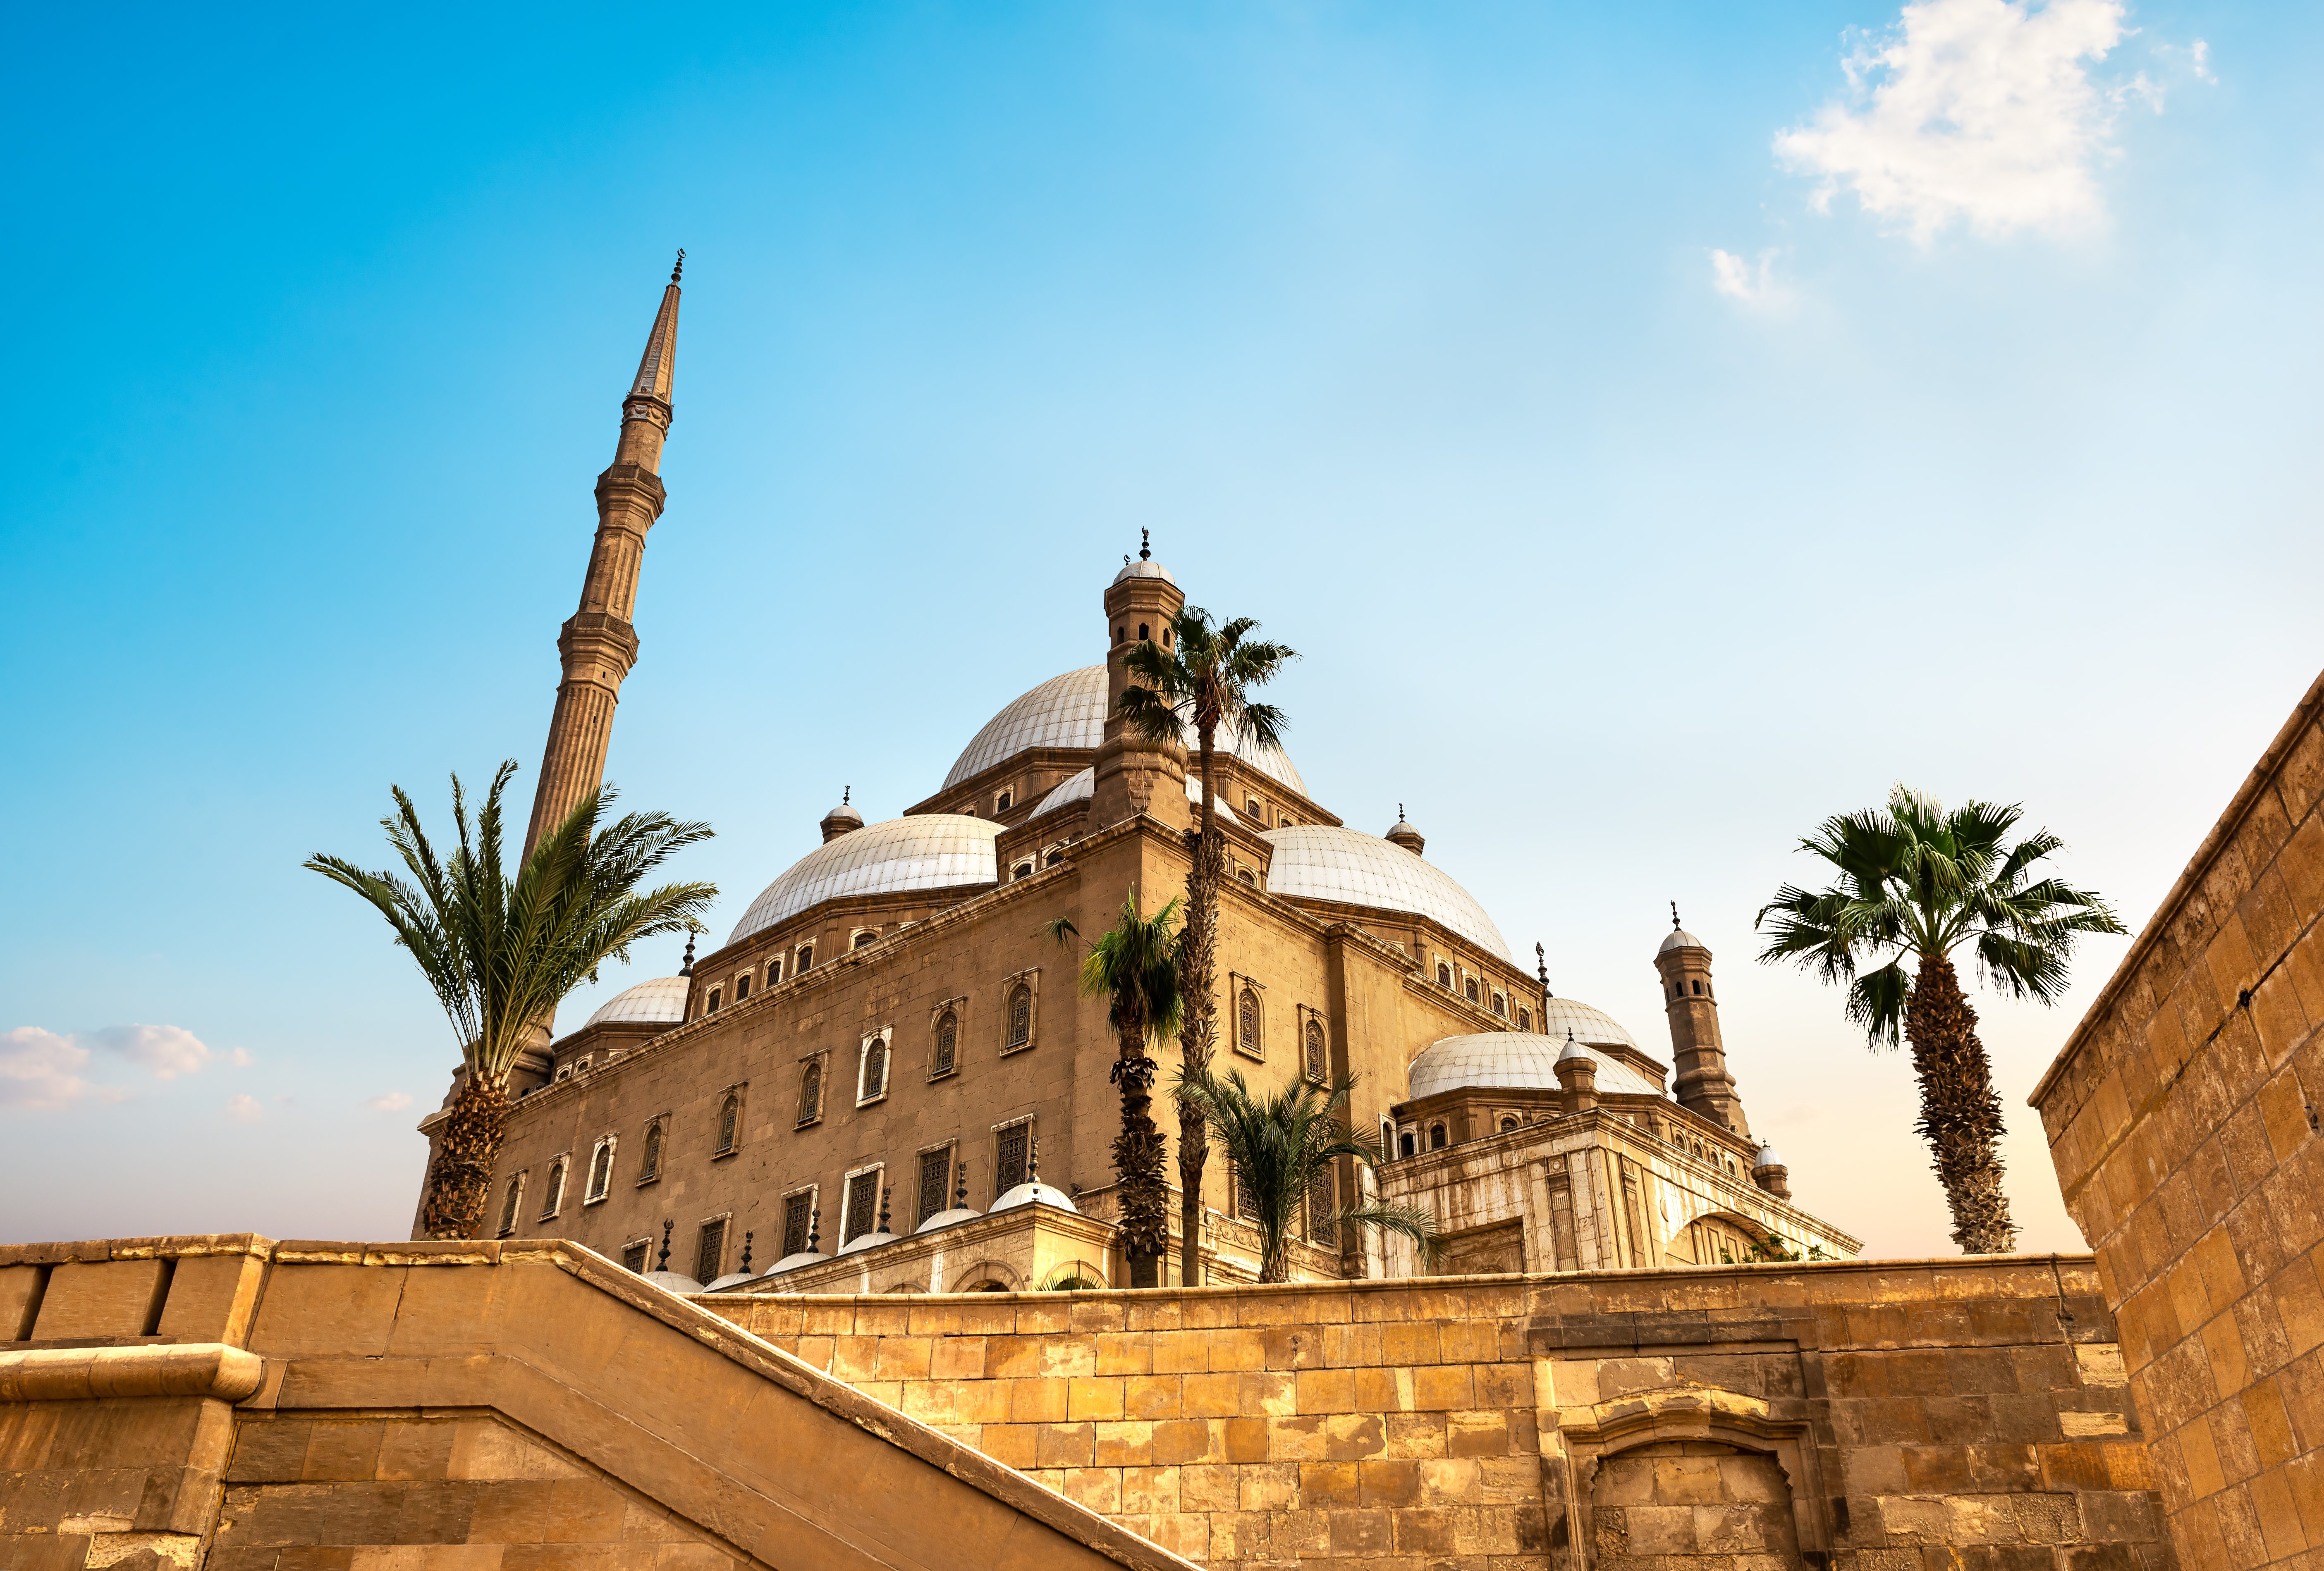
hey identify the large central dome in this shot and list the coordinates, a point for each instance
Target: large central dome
(1069, 712)
(1321, 862)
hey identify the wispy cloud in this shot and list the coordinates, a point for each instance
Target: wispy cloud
(46, 1069)
(1982, 113)
(388, 1102)
(243, 1109)
(1753, 283)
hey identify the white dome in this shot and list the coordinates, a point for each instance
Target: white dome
(659, 1002)
(1081, 787)
(1593, 1027)
(1147, 569)
(731, 1281)
(929, 850)
(1680, 938)
(1769, 1157)
(863, 1241)
(1513, 1060)
(673, 1281)
(1316, 861)
(1030, 1194)
(943, 1220)
(1069, 712)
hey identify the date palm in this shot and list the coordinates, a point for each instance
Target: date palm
(1201, 680)
(1916, 882)
(503, 951)
(1135, 967)
(1281, 1147)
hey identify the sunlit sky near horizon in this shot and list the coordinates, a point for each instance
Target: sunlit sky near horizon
(1659, 426)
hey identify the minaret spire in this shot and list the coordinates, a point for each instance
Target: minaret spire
(598, 646)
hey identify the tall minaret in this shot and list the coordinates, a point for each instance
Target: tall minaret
(598, 645)
(1133, 775)
(1703, 1084)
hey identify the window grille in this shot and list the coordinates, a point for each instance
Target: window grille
(863, 1204)
(1507, 1123)
(795, 1221)
(633, 1256)
(1525, 1018)
(874, 1084)
(947, 1044)
(1009, 1158)
(1500, 1005)
(1319, 1209)
(1436, 1137)
(601, 1169)
(1471, 989)
(811, 1092)
(1020, 1016)
(509, 1205)
(1247, 1023)
(710, 1251)
(867, 938)
(730, 1115)
(555, 1190)
(649, 1164)
(936, 1178)
(1444, 975)
(1246, 1201)
(1318, 1058)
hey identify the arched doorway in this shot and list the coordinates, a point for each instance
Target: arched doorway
(1692, 1505)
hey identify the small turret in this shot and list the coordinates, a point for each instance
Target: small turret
(1404, 834)
(1577, 1073)
(1704, 1084)
(842, 819)
(1133, 775)
(1768, 1171)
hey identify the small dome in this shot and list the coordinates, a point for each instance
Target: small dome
(732, 1281)
(1082, 786)
(862, 1242)
(841, 820)
(1069, 712)
(1028, 1194)
(1318, 861)
(659, 1002)
(942, 1219)
(1680, 938)
(1513, 1060)
(1769, 1157)
(1574, 1053)
(1594, 1027)
(794, 1262)
(929, 850)
(1143, 570)
(1404, 834)
(673, 1281)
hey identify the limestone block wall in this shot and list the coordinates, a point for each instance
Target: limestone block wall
(1875, 1417)
(2183, 1120)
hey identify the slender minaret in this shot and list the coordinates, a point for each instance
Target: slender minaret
(1703, 1084)
(1133, 775)
(598, 646)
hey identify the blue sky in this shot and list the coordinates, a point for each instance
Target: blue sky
(1660, 426)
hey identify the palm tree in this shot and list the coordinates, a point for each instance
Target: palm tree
(501, 953)
(1136, 966)
(1281, 1148)
(1915, 883)
(1201, 680)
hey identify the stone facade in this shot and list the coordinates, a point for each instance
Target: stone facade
(2182, 1120)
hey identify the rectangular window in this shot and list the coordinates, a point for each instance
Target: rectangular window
(634, 1256)
(1010, 1153)
(710, 1251)
(1246, 1203)
(796, 1209)
(1319, 1207)
(863, 1206)
(936, 1183)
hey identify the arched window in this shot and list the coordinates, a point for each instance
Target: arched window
(1697, 989)
(1250, 804)
(601, 1171)
(1001, 803)
(1056, 855)
(1142, 635)
(774, 969)
(1387, 1139)
(509, 1202)
(1470, 987)
(1020, 1016)
(555, 1189)
(1246, 875)
(874, 1083)
(1247, 1023)
(947, 1044)
(1525, 1018)
(1444, 975)
(730, 1117)
(1021, 870)
(1500, 1005)
(865, 939)
(742, 986)
(803, 960)
(811, 1092)
(1316, 1060)
(1508, 1122)
(650, 1160)
(1436, 1137)
(713, 1000)
(1407, 1144)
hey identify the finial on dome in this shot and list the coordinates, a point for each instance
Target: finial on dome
(1146, 544)
(884, 1193)
(687, 970)
(1674, 917)
(663, 1264)
(1033, 1160)
(1541, 959)
(746, 1253)
(813, 1229)
(681, 265)
(960, 1194)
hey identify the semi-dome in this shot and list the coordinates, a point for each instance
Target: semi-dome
(659, 1002)
(1680, 938)
(1318, 861)
(928, 850)
(1514, 1059)
(1081, 787)
(1591, 1025)
(1069, 712)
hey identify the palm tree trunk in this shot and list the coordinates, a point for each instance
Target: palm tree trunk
(1138, 1163)
(1960, 1112)
(1197, 948)
(457, 1180)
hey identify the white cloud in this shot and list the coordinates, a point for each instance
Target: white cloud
(1977, 112)
(243, 1109)
(1755, 285)
(44, 1068)
(390, 1102)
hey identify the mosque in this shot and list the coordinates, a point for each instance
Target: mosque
(885, 1078)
